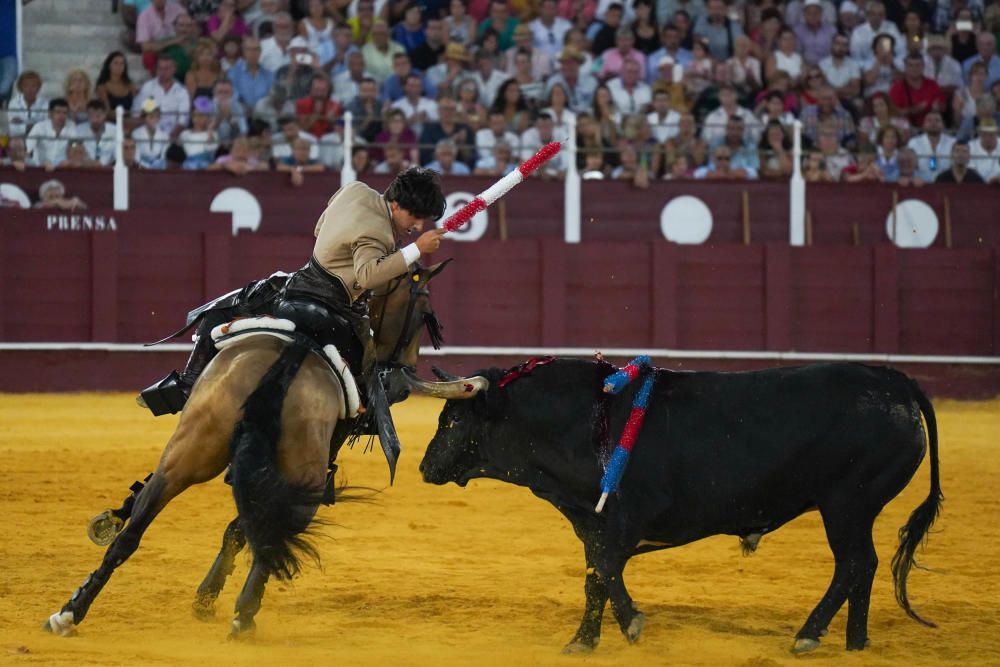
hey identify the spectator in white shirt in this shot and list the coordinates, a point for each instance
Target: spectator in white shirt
(170, 97)
(97, 134)
(985, 152)
(933, 147)
(662, 119)
(347, 84)
(151, 140)
(940, 66)
(548, 31)
(26, 107)
(488, 79)
(274, 49)
(496, 131)
(418, 108)
(714, 127)
(290, 132)
(48, 138)
(861, 38)
(629, 92)
(841, 71)
(544, 132)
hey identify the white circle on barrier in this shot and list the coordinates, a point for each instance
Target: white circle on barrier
(11, 192)
(474, 229)
(243, 206)
(686, 219)
(915, 226)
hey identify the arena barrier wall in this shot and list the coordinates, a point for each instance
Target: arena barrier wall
(611, 210)
(65, 280)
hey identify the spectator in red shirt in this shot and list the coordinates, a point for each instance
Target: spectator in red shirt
(318, 112)
(914, 94)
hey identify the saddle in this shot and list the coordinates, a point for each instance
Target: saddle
(229, 333)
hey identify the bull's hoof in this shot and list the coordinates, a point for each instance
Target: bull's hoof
(635, 628)
(104, 528)
(60, 624)
(804, 645)
(203, 607)
(858, 646)
(578, 646)
(242, 630)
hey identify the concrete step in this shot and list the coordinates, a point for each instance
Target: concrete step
(82, 9)
(60, 35)
(57, 36)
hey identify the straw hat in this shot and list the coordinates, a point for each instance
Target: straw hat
(455, 51)
(571, 53)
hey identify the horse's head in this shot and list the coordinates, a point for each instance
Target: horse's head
(398, 314)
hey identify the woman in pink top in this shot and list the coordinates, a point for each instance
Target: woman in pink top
(226, 22)
(578, 12)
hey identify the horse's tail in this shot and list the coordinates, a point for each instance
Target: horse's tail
(274, 513)
(915, 531)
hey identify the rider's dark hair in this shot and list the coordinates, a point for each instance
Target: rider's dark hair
(418, 190)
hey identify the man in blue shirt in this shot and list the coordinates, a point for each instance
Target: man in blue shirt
(718, 29)
(8, 50)
(445, 162)
(987, 47)
(251, 82)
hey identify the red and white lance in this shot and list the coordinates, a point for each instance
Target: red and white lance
(501, 187)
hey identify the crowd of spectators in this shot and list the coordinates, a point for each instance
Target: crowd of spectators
(902, 91)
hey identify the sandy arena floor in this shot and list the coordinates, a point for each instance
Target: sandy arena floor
(487, 575)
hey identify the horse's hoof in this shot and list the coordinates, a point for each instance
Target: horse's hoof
(104, 528)
(576, 647)
(855, 646)
(804, 645)
(203, 608)
(635, 627)
(60, 624)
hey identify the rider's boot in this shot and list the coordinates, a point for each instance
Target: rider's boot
(169, 395)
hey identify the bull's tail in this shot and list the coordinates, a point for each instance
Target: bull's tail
(273, 512)
(915, 531)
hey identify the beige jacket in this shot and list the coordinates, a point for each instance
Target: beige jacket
(355, 241)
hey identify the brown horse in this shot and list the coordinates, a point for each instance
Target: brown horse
(270, 410)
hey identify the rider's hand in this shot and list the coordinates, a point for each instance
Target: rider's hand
(430, 241)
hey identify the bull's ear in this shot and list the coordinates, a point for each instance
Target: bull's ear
(435, 269)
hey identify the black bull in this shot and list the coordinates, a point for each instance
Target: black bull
(719, 453)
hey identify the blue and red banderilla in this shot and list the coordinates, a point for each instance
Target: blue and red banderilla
(613, 384)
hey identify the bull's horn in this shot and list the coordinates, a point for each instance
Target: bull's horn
(444, 375)
(453, 389)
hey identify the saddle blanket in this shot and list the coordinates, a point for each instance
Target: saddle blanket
(226, 334)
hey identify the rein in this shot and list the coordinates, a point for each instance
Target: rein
(408, 331)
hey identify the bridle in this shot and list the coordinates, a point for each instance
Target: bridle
(430, 321)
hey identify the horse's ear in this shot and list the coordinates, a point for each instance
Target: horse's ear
(435, 269)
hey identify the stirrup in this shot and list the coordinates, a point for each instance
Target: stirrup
(167, 396)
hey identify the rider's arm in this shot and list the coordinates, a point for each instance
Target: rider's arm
(374, 264)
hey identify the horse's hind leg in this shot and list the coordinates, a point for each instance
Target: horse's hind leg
(249, 601)
(233, 541)
(151, 500)
(188, 459)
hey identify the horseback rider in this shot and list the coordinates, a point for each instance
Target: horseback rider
(357, 249)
